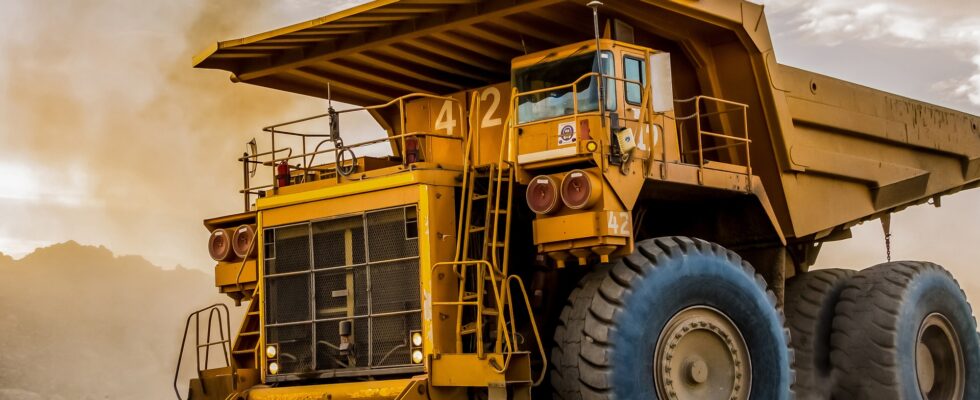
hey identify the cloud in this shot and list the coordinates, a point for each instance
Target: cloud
(105, 125)
(951, 25)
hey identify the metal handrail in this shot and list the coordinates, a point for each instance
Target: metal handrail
(498, 299)
(574, 87)
(534, 325)
(697, 116)
(224, 342)
(270, 158)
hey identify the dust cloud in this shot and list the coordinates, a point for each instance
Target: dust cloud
(81, 323)
(108, 136)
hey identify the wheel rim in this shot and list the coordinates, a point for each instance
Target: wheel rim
(939, 360)
(701, 354)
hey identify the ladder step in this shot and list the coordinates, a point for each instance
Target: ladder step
(253, 313)
(237, 352)
(469, 296)
(478, 229)
(490, 312)
(495, 244)
(480, 197)
(252, 333)
(468, 329)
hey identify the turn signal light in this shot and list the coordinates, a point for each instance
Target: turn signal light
(542, 195)
(243, 241)
(580, 189)
(219, 245)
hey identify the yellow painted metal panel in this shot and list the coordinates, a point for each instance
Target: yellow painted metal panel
(382, 198)
(435, 177)
(368, 390)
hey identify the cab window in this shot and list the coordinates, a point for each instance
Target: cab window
(633, 70)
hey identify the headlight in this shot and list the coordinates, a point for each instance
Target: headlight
(417, 339)
(242, 242)
(542, 195)
(271, 352)
(417, 356)
(580, 189)
(219, 245)
(273, 368)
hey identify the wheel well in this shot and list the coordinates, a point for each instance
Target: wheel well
(739, 222)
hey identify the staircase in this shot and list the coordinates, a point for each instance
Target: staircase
(486, 338)
(486, 231)
(246, 352)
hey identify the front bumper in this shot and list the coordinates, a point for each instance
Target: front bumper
(402, 389)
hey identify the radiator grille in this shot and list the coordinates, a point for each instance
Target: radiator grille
(360, 268)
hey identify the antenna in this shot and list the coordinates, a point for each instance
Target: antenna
(598, 59)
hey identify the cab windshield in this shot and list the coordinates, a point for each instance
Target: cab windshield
(559, 102)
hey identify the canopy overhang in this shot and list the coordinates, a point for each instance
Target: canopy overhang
(383, 49)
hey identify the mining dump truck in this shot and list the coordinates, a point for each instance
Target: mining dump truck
(575, 201)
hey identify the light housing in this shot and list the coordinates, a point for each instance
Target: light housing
(542, 195)
(417, 356)
(273, 368)
(219, 245)
(271, 351)
(416, 338)
(242, 241)
(580, 189)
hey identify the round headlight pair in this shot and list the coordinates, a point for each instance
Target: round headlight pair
(578, 190)
(227, 244)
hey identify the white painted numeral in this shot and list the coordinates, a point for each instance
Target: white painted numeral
(619, 223)
(488, 119)
(445, 119)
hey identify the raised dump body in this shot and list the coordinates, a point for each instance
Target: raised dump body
(869, 150)
(623, 161)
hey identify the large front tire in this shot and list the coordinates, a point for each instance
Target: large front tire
(679, 319)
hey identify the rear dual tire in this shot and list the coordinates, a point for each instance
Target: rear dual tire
(905, 331)
(680, 318)
(811, 298)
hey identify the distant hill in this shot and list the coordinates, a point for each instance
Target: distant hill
(78, 322)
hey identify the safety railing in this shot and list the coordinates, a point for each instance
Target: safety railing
(344, 161)
(224, 340)
(501, 296)
(724, 109)
(576, 113)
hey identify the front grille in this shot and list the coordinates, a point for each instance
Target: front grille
(361, 268)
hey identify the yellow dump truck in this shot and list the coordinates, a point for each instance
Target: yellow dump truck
(575, 201)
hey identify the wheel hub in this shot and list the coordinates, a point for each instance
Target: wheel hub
(939, 360)
(701, 354)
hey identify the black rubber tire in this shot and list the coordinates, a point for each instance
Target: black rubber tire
(876, 328)
(811, 298)
(607, 335)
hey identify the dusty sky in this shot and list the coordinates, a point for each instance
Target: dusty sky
(108, 137)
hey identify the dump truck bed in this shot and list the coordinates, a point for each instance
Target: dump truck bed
(858, 152)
